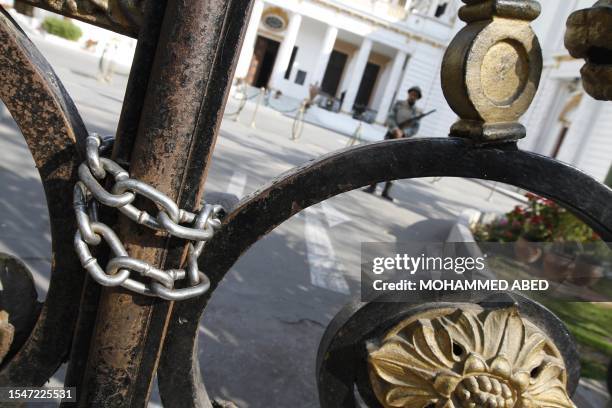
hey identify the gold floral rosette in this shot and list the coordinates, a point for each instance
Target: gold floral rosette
(468, 357)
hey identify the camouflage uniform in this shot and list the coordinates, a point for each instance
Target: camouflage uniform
(401, 112)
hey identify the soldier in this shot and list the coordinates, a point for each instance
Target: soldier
(403, 121)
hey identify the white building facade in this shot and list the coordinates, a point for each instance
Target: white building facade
(365, 54)
(564, 121)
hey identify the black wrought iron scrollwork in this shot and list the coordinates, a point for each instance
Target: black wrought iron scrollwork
(490, 76)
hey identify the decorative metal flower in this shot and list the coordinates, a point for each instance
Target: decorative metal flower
(468, 358)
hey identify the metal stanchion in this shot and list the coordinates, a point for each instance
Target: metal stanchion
(262, 93)
(298, 123)
(493, 190)
(243, 95)
(243, 102)
(267, 97)
(357, 136)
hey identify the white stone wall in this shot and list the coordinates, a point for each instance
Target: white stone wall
(585, 145)
(596, 156)
(538, 118)
(308, 42)
(588, 142)
(383, 78)
(588, 145)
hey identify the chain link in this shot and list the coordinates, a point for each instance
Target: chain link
(88, 192)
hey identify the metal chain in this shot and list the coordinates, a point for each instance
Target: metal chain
(89, 192)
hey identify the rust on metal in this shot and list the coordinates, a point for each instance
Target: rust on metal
(227, 21)
(589, 37)
(19, 300)
(178, 126)
(50, 125)
(121, 16)
(126, 133)
(138, 81)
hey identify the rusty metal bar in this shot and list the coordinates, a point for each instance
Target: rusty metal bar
(126, 133)
(138, 82)
(50, 125)
(228, 37)
(178, 126)
(121, 16)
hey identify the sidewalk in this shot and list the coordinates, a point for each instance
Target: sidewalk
(340, 123)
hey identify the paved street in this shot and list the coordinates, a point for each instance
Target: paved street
(259, 337)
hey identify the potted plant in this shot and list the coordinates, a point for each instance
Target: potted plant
(538, 220)
(591, 263)
(526, 250)
(580, 243)
(501, 230)
(543, 231)
(557, 262)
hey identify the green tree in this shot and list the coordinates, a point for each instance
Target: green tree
(62, 28)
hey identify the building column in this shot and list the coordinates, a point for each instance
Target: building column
(328, 46)
(357, 75)
(433, 7)
(391, 87)
(285, 50)
(248, 45)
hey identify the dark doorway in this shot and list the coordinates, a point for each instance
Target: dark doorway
(263, 61)
(441, 9)
(291, 62)
(333, 73)
(366, 87)
(559, 144)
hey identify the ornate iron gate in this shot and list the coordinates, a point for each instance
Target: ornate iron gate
(115, 340)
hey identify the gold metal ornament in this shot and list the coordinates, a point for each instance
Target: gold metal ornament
(491, 69)
(468, 357)
(275, 19)
(589, 36)
(7, 334)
